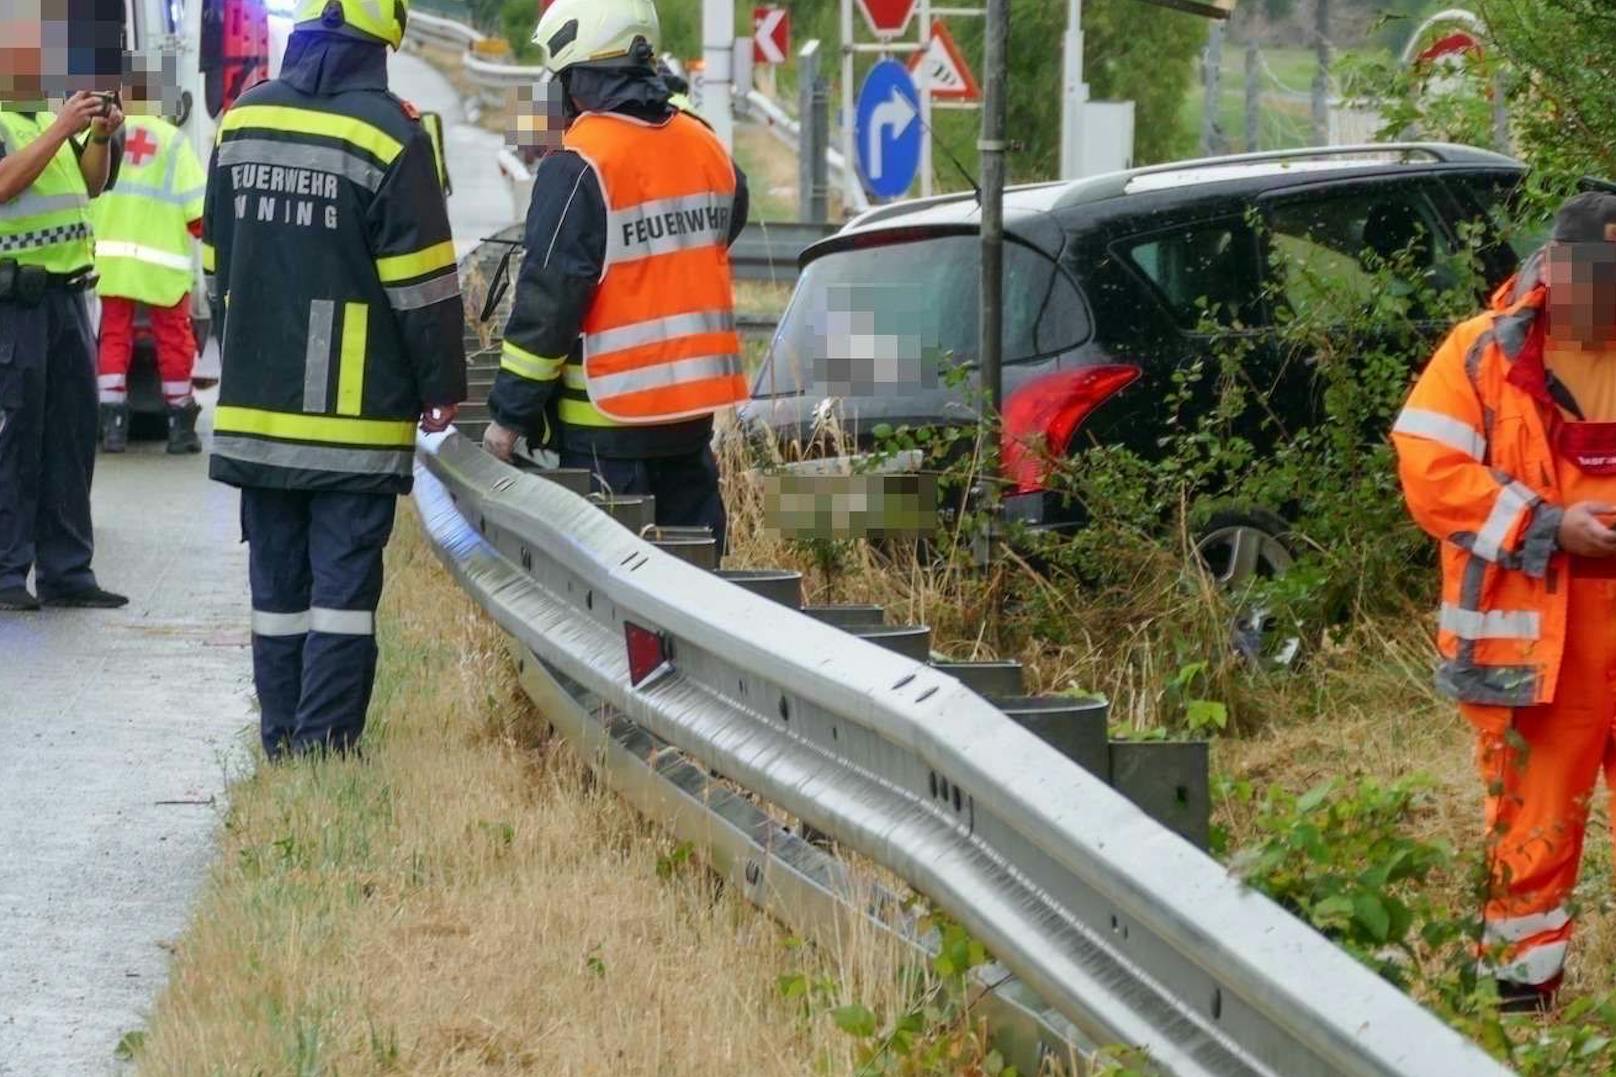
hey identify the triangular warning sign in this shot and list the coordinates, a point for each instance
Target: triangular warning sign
(951, 78)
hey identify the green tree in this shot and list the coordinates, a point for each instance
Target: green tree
(1563, 89)
(1132, 51)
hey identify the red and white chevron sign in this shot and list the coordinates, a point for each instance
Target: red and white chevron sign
(771, 35)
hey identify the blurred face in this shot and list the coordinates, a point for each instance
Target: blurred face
(1582, 293)
(537, 120)
(22, 57)
(46, 55)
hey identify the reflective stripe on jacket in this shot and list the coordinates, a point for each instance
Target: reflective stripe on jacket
(142, 241)
(659, 340)
(1478, 473)
(48, 225)
(327, 237)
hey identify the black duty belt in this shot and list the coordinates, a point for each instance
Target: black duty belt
(28, 285)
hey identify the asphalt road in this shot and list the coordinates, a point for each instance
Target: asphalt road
(119, 730)
(117, 733)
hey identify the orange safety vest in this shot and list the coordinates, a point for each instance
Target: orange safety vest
(1478, 471)
(659, 341)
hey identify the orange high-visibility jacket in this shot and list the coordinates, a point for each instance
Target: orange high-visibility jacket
(1478, 473)
(659, 341)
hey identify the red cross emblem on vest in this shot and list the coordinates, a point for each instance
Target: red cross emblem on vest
(140, 147)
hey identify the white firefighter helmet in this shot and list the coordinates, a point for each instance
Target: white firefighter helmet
(573, 32)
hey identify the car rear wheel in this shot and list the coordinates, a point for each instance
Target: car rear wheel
(1240, 548)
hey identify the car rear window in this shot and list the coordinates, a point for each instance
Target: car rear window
(865, 320)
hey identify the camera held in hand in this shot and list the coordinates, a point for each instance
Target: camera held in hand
(109, 101)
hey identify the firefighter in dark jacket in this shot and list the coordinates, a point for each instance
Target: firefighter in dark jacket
(327, 242)
(621, 342)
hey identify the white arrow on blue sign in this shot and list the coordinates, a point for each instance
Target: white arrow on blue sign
(887, 131)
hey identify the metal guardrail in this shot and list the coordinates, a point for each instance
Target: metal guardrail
(440, 30)
(786, 130)
(493, 78)
(1117, 924)
(768, 250)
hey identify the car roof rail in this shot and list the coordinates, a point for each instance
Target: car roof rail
(1113, 184)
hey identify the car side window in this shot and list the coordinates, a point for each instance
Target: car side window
(1201, 270)
(1327, 251)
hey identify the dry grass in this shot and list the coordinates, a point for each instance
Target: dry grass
(1362, 706)
(468, 900)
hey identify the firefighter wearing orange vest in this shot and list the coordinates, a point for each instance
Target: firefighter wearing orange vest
(621, 341)
(1507, 451)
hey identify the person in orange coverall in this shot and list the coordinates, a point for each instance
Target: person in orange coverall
(1507, 453)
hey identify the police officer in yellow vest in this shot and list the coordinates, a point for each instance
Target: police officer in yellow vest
(48, 175)
(622, 338)
(144, 232)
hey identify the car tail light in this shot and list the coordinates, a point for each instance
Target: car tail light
(647, 653)
(1041, 416)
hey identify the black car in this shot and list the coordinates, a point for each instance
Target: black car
(1109, 286)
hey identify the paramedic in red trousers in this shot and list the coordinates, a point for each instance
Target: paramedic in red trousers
(621, 341)
(1507, 449)
(144, 230)
(328, 240)
(51, 166)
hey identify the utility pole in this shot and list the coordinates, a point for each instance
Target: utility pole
(1074, 93)
(717, 54)
(992, 147)
(1321, 77)
(1253, 95)
(1212, 91)
(814, 133)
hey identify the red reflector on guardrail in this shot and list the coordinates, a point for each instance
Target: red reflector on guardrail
(647, 652)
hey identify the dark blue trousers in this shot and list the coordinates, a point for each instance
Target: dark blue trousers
(47, 444)
(685, 487)
(315, 559)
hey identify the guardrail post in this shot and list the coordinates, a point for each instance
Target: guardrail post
(813, 136)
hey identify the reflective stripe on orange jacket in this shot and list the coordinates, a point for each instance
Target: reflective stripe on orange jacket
(659, 340)
(1478, 473)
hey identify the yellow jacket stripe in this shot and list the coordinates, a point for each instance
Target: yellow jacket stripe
(337, 429)
(525, 364)
(394, 268)
(304, 121)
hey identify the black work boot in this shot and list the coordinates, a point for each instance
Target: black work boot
(91, 598)
(17, 600)
(182, 428)
(114, 427)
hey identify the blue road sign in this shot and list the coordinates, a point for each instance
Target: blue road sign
(887, 131)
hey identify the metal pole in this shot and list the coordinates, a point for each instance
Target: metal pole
(717, 53)
(1503, 141)
(1074, 93)
(992, 147)
(1253, 95)
(1212, 90)
(850, 178)
(819, 209)
(923, 87)
(807, 148)
(1321, 77)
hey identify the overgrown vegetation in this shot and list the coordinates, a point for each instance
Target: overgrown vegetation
(1346, 789)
